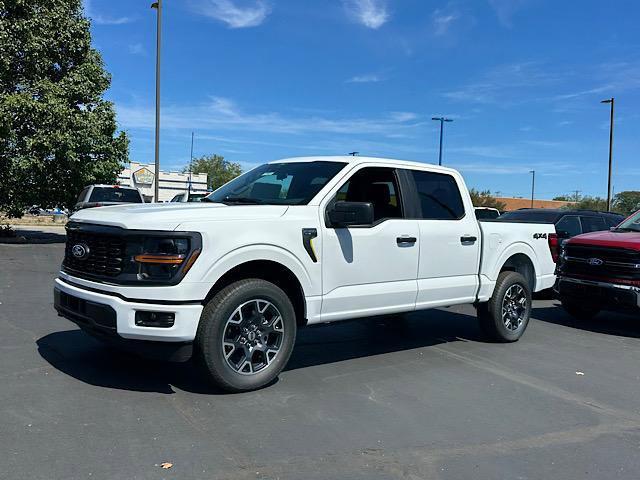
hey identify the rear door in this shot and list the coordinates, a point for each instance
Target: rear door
(370, 270)
(449, 240)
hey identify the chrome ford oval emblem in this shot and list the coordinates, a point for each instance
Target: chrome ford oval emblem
(596, 262)
(80, 251)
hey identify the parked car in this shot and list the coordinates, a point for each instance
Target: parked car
(293, 243)
(188, 197)
(104, 195)
(487, 213)
(568, 223)
(601, 271)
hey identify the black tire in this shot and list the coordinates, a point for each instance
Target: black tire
(494, 325)
(215, 323)
(580, 311)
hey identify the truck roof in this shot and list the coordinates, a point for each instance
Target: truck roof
(358, 159)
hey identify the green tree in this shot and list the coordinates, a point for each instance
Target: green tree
(627, 202)
(57, 133)
(588, 203)
(485, 199)
(219, 171)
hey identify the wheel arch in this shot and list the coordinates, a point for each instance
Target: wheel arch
(271, 271)
(522, 264)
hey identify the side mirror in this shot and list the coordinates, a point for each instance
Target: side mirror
(350, 214)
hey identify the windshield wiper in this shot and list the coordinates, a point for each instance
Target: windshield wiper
(243, 200)
(626, 229)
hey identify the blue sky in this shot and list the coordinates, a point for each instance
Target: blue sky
(263, 79)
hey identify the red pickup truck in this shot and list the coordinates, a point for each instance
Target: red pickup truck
(601, 271)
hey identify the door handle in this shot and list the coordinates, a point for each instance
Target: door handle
(468, 239)
(406, 240)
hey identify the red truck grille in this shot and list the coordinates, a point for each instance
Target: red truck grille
(606, 263)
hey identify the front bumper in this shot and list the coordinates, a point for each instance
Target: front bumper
(113, 318)
(607, 296)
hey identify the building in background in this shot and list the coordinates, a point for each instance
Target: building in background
(171, 184)
(518, 203)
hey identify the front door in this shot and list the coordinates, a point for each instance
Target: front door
(371, 270)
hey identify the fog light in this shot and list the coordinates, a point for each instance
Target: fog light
(155, 319)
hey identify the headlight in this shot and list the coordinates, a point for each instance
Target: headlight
(162, 258)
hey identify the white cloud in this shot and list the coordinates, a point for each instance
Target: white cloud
(102, 19)
(137, 49)
(506, 84)
(366, 78)
(442, 20)
(370, 13)
(249, 14)
(506, 9)
(223, 114)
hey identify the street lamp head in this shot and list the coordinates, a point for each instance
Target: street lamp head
(448, 120)
(436, 118)
(609, 100)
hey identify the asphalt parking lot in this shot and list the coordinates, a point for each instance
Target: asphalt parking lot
(416, 397)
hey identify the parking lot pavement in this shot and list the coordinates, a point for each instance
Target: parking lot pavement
(420, 396)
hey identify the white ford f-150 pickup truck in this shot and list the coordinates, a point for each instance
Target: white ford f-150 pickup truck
(292, 243)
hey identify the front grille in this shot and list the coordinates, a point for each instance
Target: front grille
(601, 262)
(105, 256)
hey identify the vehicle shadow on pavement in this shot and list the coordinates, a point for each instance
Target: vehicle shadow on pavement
(608, 323)
(41, 237)
(80, 356)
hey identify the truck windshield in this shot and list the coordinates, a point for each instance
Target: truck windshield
(631, 224)
(114, 194)
(294, 183)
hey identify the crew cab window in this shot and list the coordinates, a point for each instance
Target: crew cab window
(569, 226)
(376, 185)
(439, 196)
(592, 224)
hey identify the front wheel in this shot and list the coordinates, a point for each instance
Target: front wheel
(246, 335)
(505, 317)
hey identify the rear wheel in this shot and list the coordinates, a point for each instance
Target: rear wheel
(246, 335)
(580, 311)
(505, 317)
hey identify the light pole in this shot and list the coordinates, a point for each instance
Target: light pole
(191, 163)
(158, 6)
(441, 120)
(533, 185)
(610, 101)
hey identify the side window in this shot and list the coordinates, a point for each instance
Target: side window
(83, 194)
(569, 226)
(439, 196)
(377, 185)
(592, 224)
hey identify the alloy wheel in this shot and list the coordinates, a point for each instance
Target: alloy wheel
(253, 336)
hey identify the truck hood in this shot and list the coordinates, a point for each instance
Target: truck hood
(168, 216)
(630, 240)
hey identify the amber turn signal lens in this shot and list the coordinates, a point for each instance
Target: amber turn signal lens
(159, 259)
(190, 262)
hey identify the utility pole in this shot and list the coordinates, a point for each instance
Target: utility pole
(191, 163)
(610, 101)
(158, 6)
(576, 197)
(533, 185)
(441, 120)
